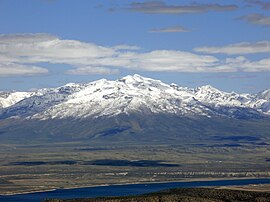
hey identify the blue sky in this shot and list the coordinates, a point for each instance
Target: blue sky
(47, 43)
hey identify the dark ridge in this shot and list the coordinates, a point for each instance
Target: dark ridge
(112, 131)
(226, 145)
(91, 149)
(139, 163)
(184, 195)
(263, 144)
(38, 163)
(99, 162)
(238, 138)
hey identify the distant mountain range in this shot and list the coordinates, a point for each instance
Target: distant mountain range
(128, 95)
(130, 105)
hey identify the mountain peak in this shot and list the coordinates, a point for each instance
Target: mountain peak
(208, 88)
(70, 85)
(134, 78)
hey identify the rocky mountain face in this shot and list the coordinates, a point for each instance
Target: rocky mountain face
(131, 108)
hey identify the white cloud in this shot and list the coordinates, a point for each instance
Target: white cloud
(28, 49)
(12, 69)
(238, 48)
(243, 64)
(92, 70)
(170, 61)
(126, 47)
(20, 54)
(261, 65)
(40, 48)
(25, 38)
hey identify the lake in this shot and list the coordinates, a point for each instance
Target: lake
(123, 190)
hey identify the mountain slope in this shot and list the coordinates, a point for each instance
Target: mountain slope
(138, 110)
(135, 94)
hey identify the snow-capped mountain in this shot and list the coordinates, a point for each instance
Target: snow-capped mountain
(131, 94)
(8, 99)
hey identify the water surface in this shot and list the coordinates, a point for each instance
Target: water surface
(123, 190)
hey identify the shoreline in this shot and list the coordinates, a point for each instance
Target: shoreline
(134, 183)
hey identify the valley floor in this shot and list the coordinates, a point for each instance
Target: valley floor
(33, 168)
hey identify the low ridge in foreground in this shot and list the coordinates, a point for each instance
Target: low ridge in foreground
(185, 195)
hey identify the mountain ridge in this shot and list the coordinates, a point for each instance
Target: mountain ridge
(128, 95)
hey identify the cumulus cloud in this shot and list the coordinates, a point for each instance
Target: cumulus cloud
(20, 54)
(171, 29)
(258, 19)
(159, 7)
(238, 48)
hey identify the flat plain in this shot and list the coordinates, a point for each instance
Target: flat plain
(31, 168)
